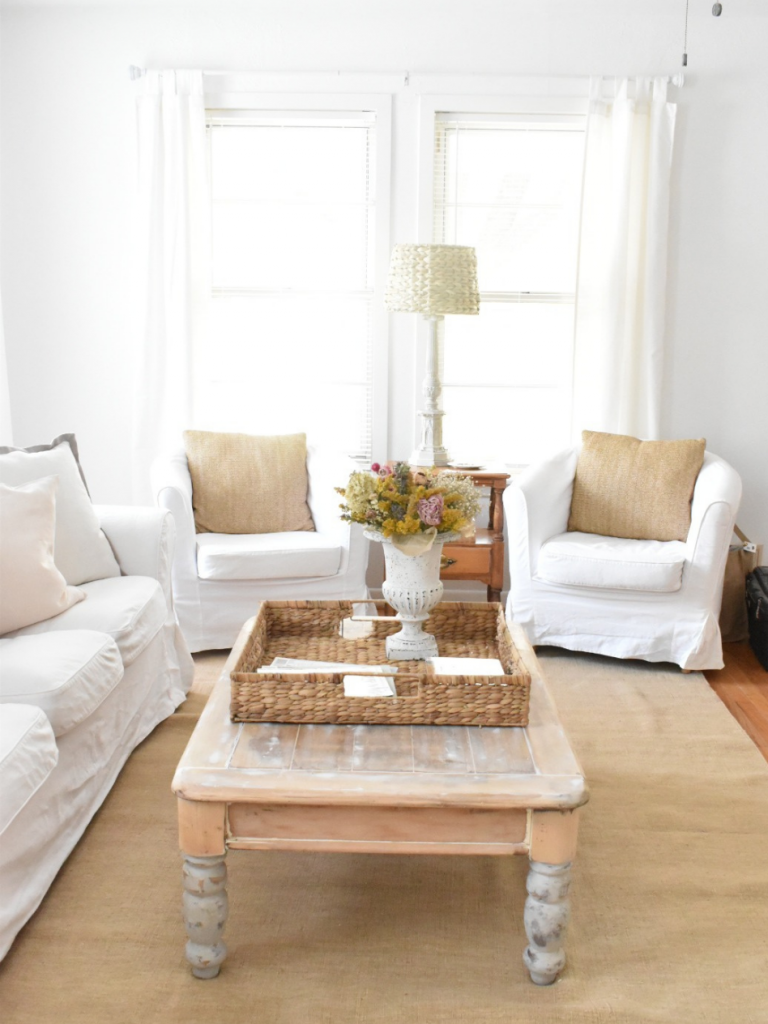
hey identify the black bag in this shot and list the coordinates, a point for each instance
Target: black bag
(757, 612)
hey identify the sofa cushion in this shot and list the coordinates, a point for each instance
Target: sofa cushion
(81, 550)
(242, 483)
(266, 556)
(636, 489)
(28, 755)
(66, 674)
(32, 587)
(588, 560)
(131, 609)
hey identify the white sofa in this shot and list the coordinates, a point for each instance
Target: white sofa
(79, 692)
(219, 579)
(654, 600)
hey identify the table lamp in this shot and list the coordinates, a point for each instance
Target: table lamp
(432, 280)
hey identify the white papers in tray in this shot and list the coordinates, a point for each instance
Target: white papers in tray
(366, 686)
(467, 666)
(299, 665)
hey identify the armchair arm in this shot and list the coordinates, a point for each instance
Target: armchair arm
(715, 503)
(142, 539)
(172, 487)
(536, 507)
(327, 471)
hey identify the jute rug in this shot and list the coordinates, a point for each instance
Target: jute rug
(670, 896)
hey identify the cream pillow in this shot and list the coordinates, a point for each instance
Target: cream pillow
(31, 587)
(247, 484)
(635, 489)
(81, 550)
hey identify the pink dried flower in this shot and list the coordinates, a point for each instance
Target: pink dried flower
(385, 471)
(431, 510)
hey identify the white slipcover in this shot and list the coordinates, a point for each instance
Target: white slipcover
(66, 674)
(90, 755)
(220, 579)
(130, 609)
(601, 614)
(28, 755)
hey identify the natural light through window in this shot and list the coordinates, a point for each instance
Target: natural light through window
(290, 324)
(510, 186)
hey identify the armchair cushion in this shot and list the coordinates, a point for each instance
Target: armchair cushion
(266, 556)
(243, 484)
(131, 609)
(635, 489)
(589, 560)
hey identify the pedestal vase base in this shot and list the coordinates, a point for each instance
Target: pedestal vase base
(402, 648)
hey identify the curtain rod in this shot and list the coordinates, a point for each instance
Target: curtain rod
(678, 79)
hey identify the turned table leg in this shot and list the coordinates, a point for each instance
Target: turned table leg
(547, 911)
(547, 908)
(205, 913)
(204, 875)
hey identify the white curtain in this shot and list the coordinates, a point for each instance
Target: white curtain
(173, 259)
(6, 432)
(618, 357)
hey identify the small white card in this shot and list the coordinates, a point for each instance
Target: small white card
(365, 686)
(467, 666)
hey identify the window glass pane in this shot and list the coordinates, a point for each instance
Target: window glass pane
(504, 425)
(286, 164)
(278, 246)
(288, 345)
(278, 364)
(523, 344)
(514, 194)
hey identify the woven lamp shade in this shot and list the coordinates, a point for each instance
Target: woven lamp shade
(433, 280)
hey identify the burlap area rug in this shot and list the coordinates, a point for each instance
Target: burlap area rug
(670, 896)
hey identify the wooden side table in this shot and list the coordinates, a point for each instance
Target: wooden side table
(482, 557)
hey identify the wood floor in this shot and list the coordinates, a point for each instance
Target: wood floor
(743, 687)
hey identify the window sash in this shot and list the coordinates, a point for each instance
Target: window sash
(370, 290)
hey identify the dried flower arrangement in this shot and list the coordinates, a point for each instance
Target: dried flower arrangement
(398, 501)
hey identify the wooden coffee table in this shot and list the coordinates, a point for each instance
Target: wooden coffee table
(380, 789)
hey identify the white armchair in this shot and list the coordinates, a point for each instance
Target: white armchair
(654, 600)
(219, 579)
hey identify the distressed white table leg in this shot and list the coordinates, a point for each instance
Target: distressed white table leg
(547, 912)
(205, 913)
(203, 846)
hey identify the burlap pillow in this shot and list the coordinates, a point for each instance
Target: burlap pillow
(246, 484)
(636, 489)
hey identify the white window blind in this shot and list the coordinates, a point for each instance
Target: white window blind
(290, 327)
(510, 186)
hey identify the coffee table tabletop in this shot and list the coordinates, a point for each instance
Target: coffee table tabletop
(380, 789)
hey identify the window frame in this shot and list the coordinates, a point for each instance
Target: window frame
(231, 105)
(431, 108)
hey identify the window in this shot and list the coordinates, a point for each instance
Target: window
(510, 186)
(291, 322)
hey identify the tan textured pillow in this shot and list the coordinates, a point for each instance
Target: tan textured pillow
(636, 489)
(31, 587)
(247, 484)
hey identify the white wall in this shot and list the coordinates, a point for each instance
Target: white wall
(68, 158)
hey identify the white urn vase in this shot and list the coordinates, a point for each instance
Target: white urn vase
(413, 587)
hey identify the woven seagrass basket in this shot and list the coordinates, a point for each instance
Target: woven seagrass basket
(320, 631)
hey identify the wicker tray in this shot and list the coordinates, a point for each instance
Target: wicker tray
(327, 631)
